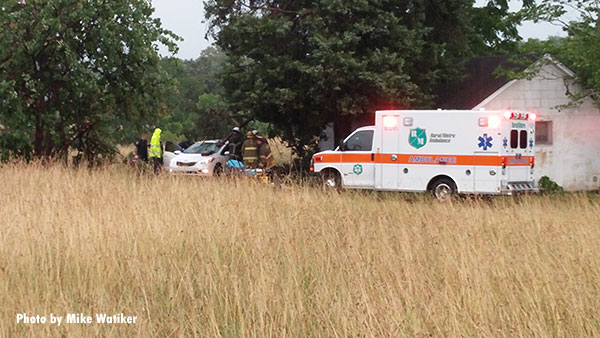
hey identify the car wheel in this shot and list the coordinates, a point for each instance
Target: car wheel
(331, 180)
(218, 170)
(443, 189)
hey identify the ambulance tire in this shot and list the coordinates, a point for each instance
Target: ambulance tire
(443, 189)
(331, 180)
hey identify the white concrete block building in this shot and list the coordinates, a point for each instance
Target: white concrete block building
(567, 133)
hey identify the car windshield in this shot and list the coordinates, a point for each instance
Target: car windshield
(202, 147)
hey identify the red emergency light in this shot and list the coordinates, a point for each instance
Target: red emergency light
(519, 116)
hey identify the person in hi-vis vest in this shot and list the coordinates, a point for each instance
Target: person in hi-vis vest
(156, 150)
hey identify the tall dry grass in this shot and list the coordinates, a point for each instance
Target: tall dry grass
(214, 258)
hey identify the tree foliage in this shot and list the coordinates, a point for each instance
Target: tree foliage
(495, 28)
(297, 64)
(196, 106)
(72, 72)
(580, 49)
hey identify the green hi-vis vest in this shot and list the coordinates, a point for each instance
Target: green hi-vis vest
(155, 150)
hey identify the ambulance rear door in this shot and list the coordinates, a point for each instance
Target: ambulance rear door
(520, 148)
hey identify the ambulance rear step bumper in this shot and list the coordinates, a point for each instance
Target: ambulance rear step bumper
(519, 187)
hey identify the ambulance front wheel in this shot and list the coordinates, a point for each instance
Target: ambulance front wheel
(443, 189)
(331, 180)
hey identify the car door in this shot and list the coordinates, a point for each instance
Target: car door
(223, 155)
(358, 160)
(169, 153)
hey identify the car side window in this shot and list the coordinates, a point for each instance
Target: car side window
(360, 141)
(171, 146)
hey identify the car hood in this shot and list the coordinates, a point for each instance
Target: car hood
(190, 157)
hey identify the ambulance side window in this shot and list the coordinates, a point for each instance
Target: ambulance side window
(514, 138)
(523, 139)
(360, 141)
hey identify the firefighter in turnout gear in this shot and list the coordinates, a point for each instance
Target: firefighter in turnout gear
(265, 156)
(250, 151)
(156, 150)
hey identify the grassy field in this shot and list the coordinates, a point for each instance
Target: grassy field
(209, 258)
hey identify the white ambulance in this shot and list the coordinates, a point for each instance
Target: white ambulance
(442, 151)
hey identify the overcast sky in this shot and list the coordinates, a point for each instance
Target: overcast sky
(185, 18)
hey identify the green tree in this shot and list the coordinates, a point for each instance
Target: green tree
(73, 72)
(495, 28)
(297, 64)
(196, 106)
(580, 49)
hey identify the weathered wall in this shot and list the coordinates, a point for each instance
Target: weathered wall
(573, 159)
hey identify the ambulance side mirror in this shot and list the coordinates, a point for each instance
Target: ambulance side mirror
(342, 146)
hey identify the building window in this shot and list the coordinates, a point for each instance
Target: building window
(543, 133)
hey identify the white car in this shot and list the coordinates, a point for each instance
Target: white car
(206, 158)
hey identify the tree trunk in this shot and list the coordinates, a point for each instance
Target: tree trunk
(38, 142)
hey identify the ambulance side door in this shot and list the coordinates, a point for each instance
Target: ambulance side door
(486, 176)
(387, 172)
(358, 160)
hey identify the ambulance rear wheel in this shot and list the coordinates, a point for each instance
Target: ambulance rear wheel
(443, 189)
(331, 180)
